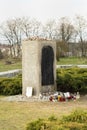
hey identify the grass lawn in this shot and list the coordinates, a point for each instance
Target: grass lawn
(15, 115)
(16, 64)
(72, 60)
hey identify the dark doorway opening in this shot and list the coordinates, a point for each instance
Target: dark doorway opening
(47, 61)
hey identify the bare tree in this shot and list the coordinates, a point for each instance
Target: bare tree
(49, 29)
(26, 26)
(31, 27)
(17, 33)
(66, 30)
(36, 28)
(11, 31)
(7, 35)
(80, 26)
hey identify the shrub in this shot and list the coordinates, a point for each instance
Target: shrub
(77, 120)
(1, 54)
(11, 86)
(77, 116)
(52, 118)
(72, 79)
(36, 125)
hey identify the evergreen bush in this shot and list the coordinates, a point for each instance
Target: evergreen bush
(11, 86)
(72, 79)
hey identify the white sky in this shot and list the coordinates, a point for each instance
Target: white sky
(42, 9)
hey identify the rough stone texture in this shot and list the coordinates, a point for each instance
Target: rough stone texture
(31, 66)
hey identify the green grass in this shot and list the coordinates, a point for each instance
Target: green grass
(16, 115)
(16, 64)
(72, 60)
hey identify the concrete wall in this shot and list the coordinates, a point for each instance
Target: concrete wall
(31, 65)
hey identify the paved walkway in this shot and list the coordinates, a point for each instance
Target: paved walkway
(69, 66)
(10, 73)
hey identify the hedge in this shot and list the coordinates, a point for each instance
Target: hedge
(72, 79)
(10, 86)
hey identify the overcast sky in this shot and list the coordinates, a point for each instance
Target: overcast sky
(42, 9)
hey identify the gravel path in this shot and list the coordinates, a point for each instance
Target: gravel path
(22, 98)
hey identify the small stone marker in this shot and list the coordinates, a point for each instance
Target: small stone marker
(29, 91)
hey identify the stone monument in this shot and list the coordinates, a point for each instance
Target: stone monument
(39, 66)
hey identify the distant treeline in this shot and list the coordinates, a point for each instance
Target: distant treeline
(62, 30)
